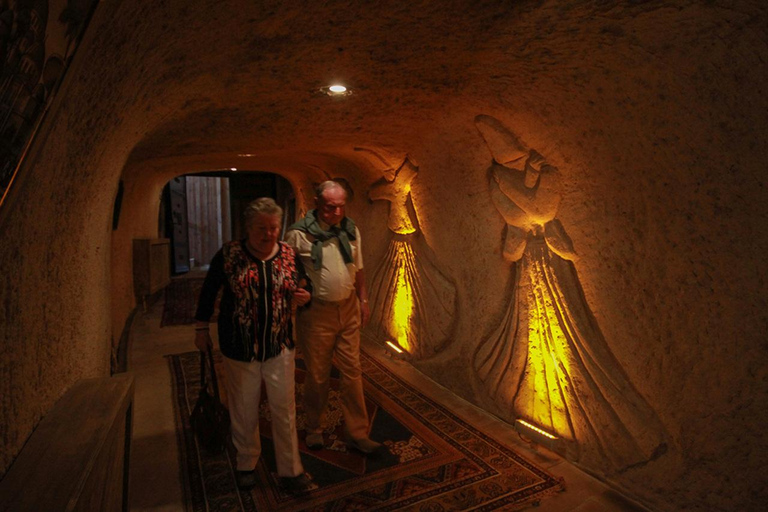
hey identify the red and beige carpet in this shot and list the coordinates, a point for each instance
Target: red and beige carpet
(434, 460)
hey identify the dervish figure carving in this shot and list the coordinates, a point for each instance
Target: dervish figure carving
(548, 362)
(414, 303)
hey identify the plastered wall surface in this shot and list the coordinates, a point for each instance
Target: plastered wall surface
(653, 113)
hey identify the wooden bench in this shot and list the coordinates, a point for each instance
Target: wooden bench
(77, 457)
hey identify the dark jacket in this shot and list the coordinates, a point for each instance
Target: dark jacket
(255, 310)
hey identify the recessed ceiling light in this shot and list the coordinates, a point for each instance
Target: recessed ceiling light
(233, 168)
(335, 90)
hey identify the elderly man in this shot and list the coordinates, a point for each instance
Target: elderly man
(328, 244)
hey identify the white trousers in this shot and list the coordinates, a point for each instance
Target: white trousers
(243, 393)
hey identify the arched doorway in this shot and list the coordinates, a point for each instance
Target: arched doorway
(201, 211)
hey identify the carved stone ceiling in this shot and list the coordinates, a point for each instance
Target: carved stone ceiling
(245, 78)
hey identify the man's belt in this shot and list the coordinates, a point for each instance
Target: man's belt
(336, 303)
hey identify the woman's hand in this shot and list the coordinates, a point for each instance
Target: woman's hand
(300, 297)
(203, 340)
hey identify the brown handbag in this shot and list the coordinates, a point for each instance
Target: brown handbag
(209, 418)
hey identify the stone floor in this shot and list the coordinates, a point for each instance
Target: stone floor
(154, 479)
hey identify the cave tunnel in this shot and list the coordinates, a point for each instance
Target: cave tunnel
(569, 197)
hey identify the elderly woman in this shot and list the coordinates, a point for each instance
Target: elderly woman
(260, 279)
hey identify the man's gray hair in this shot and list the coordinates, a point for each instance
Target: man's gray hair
(328, 185)
(262, 205)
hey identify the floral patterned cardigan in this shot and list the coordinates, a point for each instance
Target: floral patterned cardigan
(255, 311)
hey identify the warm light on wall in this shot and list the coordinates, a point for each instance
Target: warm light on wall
(402, 305)
(414, 303)
(548, 361)
(545, 392)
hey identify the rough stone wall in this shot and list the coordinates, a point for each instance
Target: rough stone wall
(654, 113)
(54, 259)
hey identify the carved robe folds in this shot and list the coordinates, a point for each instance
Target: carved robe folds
(548, 361)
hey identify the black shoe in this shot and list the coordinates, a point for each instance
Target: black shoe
(245, 479)
(298, 484)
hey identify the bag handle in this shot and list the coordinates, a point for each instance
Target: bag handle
(203, 356)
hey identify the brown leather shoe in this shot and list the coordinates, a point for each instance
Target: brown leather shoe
(314, 441)
(298, 484)
(365, 445)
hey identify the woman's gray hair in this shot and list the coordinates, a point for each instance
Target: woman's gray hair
(262, 205)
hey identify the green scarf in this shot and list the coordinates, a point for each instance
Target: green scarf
(344, 233)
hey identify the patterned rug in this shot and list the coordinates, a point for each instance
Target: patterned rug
(181, 301)
(434, 461)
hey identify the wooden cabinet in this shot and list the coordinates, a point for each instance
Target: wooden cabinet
(151, 266)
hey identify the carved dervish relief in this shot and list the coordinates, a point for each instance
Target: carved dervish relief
(413, 302)
(548, 361)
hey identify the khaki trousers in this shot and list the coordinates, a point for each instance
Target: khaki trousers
(243, 394)
(328, 333)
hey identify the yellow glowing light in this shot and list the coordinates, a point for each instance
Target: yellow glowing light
(395, 347)
(402, 305)
(537, 429)
(545, 394)
(337, 89)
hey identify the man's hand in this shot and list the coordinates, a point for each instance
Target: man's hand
(203, 340)
(362, 296)
(365, 313)
(300, 297)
